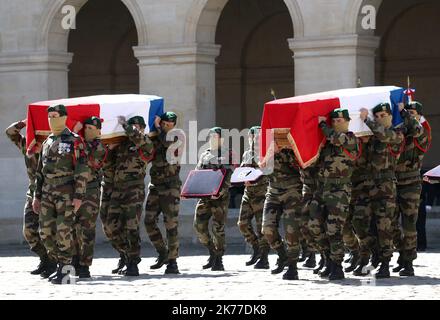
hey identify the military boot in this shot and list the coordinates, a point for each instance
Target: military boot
(400, 263)
(321, 264)
(375, 259)
(324, 273)
(50, 268)
(336, 272)
(210, 260)
(41, 267)
(132, 267)
(161, 260)
(255, 255)
(291, 273)
(281, 262)
(60, 276)
(121, 263)
(311, 261)
(353, 262)
(263, 262)
(172, 267)
(217, 264)
(359, 270)
(75, 264)
(84, 272)
(384, 270)
(408, 270)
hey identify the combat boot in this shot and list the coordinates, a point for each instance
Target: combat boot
(60, 276)
(217, 265)
(281, 262)
(375, 259)
(84, 272)
(50, 268)
(255, 255)
(324, 273)
(121, 264)
(353, 262)
(263, 262)
(359, 271)
(384, 270)
(75, 264)
(210, 260)
(400, 263)
(336, 272)
(311, 261)
(408, 270)
(41, 267)
(291, 273)
(161, 260)
(172, 267)
(132, 268)
(321, 264)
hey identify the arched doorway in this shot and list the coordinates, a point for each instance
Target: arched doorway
(254, 58)
(103, 58)
(410, 47)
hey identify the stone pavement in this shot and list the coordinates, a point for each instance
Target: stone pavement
(238, 282)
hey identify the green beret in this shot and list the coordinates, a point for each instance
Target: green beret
(169, 116)
(340, 113)
(61, 109)
(217, 130)
(382, 107)
(94, 121)
(414, 105)
(137, 120)
(254, 130)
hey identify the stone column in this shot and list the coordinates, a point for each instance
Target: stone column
(333, 62)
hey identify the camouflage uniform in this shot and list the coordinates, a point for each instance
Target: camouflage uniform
(215, 208)
(252, 206)
(108, 172)
(62, 176)
(128, 194)
(309, 180)
(31, 224)
(88, 213)
(332, 199)
(409, 187)
(383, 150)
(163, 196)
(283, 200)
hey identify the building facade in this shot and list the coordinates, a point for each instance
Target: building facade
(214, 61)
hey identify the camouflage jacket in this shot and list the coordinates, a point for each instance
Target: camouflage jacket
(285, 170)
(383, 150)
(96, 157)
(250, 160)
(217, 159)
(362, 168)
(13, 133)
(416, 143)
(132, 157)
(337, 156)
(63, 161)
(309, 177)
(162, 171)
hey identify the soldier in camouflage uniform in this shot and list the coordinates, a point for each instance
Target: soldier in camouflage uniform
(384, 149)
(96, 154)
(217, 157)
(252, 206)
(31, 225)
(61, 182)
(409, 187)
(332, 199)
(164, 193)
(283, 201)
(128, 194)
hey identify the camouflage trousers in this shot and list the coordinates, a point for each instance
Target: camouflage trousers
(251, 207)
(362, 216)
(106, 193)
(405, 218)
(163, 198)
(328, 211)
(306, 238)
(85, 227)
(31, 228)
(57, 222)
(124, 214)
(383, 206)
(283, 204)
(217, 210)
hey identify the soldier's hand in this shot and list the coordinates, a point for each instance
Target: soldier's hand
(321, 119)
(215, 197)
(24, 122)
(122, 120)
(157, 120)
(364, 114)
(78, 126)
(401, 106)
(76, 205)
(247, 184)
(36, 206)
